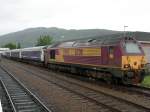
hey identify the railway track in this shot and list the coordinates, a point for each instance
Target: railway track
(4, 100)
(107, 101)
(132, 88)
(19, 97)
(139, 89)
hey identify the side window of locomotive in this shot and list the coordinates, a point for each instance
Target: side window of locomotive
(111, 52)
(52, 54)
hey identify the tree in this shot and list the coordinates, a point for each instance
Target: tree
(10, 45)
(44, 40)
(18, 45)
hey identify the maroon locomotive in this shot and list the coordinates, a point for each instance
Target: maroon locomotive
(116, 59)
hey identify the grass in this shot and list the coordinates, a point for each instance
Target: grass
(146, 81)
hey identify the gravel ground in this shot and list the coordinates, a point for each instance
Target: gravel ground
(64, 102)
(54, 97)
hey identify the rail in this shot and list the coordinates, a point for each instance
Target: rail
(19, 96)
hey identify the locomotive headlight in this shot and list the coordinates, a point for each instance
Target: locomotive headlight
(142, 65)
(127, 66)
(142, 60)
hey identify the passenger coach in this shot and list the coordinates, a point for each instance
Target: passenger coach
(33, 54)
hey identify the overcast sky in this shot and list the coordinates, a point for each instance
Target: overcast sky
(74, 14)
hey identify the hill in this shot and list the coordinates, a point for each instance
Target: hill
(28, 37)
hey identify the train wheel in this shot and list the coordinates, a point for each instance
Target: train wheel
(126, 80)
(115, 80)
(108, 78)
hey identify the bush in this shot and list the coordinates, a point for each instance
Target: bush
(146, 81)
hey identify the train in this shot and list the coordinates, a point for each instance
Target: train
(115, 60)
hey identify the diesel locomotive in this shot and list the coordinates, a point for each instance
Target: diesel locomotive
(118, 60)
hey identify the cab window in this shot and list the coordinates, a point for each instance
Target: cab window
(131, 47)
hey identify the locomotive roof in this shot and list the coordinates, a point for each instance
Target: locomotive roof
(90, 42)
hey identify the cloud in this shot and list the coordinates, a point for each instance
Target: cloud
(109, 14)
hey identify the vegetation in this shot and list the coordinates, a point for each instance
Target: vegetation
(146, 81)
(18, 45)
(10, 45)
(44, 40)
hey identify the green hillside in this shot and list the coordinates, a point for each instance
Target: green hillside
(28, 37)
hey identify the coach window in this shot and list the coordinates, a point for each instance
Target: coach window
(111, 52)
(52, 54)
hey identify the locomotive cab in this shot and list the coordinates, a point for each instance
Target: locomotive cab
(133, 61)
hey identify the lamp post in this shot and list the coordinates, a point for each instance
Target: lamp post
(124, 30)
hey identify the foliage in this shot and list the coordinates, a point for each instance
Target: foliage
(44, 40)
(10, 45)
(146, 81)
(18, 45)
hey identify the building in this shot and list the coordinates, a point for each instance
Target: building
(146, 47)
